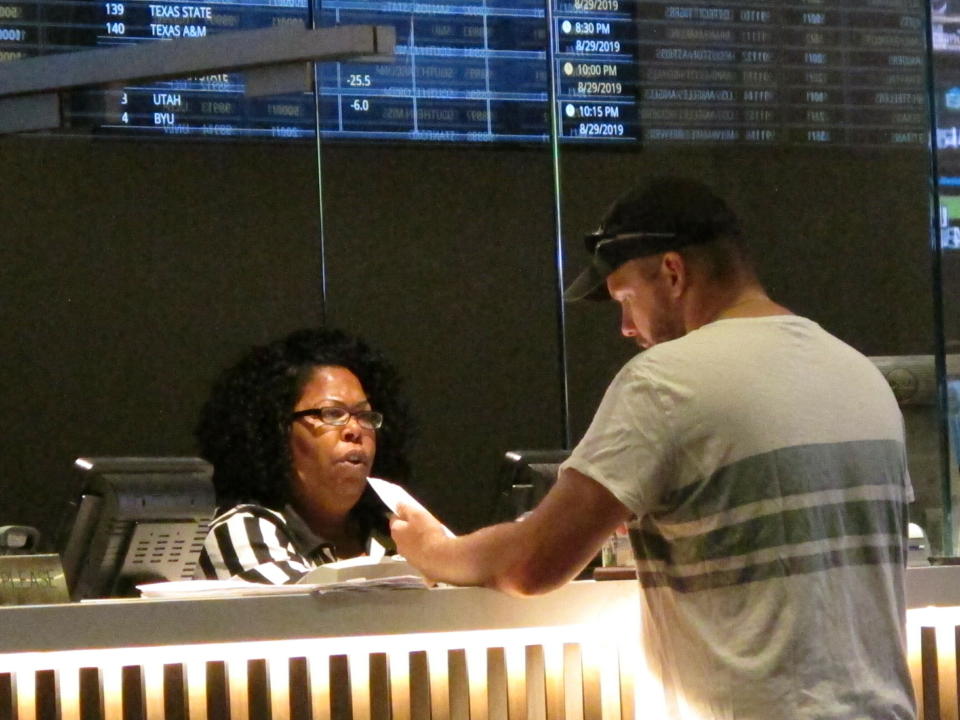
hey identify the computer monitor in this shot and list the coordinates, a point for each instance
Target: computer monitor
(137, 519)
(525, 477)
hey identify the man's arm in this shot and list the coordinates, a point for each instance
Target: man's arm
(534, 555)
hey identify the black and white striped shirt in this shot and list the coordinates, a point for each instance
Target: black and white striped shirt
(254, 543)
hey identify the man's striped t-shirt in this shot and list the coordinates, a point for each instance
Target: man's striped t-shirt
(764, 461)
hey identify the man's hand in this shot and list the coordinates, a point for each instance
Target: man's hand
(540, 553)
(417, 534)
(439, 556)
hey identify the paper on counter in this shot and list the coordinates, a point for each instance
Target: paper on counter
(215, 588)
(357, 568)
(187, 589)
(396, 582)
(392, 495)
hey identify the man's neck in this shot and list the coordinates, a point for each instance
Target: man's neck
(743, 301)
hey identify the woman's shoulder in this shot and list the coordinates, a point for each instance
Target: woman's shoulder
(248, 510)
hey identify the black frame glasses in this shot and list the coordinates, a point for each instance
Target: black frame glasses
(339, 416)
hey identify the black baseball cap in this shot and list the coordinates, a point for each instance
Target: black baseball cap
(667, 213)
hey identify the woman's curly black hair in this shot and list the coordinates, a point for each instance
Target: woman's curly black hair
(244, 427)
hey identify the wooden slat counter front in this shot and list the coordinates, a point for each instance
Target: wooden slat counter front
(443, 654)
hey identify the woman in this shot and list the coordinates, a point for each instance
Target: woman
(293, 431)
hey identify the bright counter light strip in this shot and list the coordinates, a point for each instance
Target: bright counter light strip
(466, 670)
(945, 621)
(607, 647)
(276, 649)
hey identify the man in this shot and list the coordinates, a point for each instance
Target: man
(760, 463)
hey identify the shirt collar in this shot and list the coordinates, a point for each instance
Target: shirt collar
(322, 550)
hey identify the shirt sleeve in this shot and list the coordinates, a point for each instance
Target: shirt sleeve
(251, 543)
(628, 447)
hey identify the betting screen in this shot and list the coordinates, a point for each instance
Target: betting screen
(656, 72)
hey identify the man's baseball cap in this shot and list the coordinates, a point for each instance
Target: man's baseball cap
(667, 213)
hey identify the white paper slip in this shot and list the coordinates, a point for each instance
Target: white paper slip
(392, 495)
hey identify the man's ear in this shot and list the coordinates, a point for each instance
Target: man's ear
(675, 272)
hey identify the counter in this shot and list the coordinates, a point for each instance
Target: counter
(442, 654)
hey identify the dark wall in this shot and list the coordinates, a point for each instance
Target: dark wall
(132, 272)
(128, 275)
(446, 258)
(839, 235)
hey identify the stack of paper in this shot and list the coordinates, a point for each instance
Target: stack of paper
(358, 568)
(186, 589)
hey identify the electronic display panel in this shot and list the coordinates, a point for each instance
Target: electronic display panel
(809, 73)
(949, 219)
(654, 72)
(945, 25)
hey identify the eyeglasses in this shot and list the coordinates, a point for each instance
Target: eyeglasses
(340, 416)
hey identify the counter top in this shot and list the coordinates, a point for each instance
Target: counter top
(148, 622)
(935, 585)
(126, 623)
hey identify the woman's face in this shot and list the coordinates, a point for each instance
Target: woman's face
(331, 462)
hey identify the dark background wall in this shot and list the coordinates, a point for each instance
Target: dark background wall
(130, 273)
(445, 257)
(839, 235)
